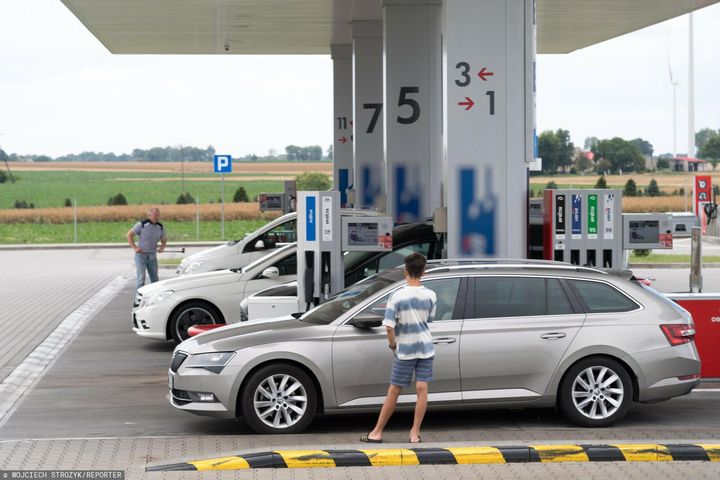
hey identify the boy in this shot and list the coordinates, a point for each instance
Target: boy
(408, 312)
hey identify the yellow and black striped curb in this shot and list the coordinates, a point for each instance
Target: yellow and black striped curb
(453, 456)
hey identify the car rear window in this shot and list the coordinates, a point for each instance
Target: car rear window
(496, 297)
(600, 297)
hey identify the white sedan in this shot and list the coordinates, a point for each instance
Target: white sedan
(165, 310)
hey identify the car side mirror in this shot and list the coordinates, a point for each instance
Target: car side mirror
(271, 273)
(259, 245)
(366, 320)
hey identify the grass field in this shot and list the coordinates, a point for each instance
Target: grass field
(114, 232)
(50, 189)
(655, 258)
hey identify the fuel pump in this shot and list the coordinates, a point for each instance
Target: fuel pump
(323, 236)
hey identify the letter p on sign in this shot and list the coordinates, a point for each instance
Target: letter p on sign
(222, 163)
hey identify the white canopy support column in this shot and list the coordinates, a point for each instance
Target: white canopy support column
(490, 53)
(413, 105)
(342, 122)
(369, 125)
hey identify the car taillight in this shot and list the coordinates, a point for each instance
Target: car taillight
(678, 333)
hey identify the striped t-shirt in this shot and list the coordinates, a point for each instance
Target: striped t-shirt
(409, 310)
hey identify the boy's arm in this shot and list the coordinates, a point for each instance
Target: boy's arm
(391, 337)
(390, 321)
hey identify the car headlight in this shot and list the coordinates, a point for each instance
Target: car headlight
(193, 266)
(214, 362)
(158, 297)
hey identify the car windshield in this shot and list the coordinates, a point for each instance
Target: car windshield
(271, 257)
(329, 311)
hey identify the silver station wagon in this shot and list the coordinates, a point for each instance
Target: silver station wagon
(506, 334)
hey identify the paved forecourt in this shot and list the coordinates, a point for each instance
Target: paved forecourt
(103, 404)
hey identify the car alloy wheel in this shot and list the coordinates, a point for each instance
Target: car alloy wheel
(189, 314)
(279, 398)
(280, 401)
(597, 392)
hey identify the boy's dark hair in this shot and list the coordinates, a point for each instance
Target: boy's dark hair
(415, 264)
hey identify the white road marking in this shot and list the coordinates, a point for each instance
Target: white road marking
(26, 375)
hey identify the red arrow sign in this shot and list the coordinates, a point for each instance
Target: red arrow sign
(468, 103)
(483, 73)
(343, 140)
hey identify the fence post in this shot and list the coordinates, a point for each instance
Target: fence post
(197, 218)
(75, 229)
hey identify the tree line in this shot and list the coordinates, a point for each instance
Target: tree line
(614, 155)
(173, 154)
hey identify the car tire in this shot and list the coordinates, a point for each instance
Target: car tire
(192, 313)
(291, 411)
(595, 392)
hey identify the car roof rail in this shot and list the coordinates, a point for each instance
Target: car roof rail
(466, 264)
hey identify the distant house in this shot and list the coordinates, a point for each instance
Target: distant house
(688, 164)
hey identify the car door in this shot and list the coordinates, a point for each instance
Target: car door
(362, 361)
(516, 331)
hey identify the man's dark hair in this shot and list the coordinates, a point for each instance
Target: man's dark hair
(415, 264)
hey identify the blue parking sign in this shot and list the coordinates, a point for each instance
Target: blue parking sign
(222, 163)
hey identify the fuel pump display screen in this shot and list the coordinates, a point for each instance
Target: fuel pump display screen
(644, 231)
(362, 234)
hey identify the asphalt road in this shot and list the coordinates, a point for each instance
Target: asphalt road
(105, 398)
(109, 383)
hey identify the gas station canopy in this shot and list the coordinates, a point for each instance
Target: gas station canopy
(311, 26)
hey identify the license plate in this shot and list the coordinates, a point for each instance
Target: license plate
(171, 382)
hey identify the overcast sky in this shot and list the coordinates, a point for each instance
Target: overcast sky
(62, 92)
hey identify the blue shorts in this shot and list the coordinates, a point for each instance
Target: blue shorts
(402, 371)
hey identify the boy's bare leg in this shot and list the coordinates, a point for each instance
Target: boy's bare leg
(387, 411)
(422, 392)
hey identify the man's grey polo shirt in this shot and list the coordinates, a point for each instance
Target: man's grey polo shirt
(149, 234)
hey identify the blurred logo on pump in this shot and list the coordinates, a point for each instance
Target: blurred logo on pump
(407, 197)
(477, 215)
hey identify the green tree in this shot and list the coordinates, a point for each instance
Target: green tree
(621, 154)
(566, 148)
(549, 151)
(630, 189)
(703, 136)
(240, 195)
(3, 177)
(118, 199)
(330, 153)
(184, 199)
(653, 190)
(43, 158)
(644, 146)
(551, 185)
(663, 164)
(601, 183)
(590, 142)
(68, 202)
(711, 150)
(313, 181)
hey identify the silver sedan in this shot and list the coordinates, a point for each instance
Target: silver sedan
(520, 334)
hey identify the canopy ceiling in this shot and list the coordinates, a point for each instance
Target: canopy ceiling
(311, 26)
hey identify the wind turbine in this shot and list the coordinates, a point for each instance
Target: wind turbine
(674, 84)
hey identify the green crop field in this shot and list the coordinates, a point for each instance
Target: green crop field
(50, 189)
(114, 232)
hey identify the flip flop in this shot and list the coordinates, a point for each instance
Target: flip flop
(367, 439)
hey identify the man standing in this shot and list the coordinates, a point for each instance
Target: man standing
(407, 314)
(149, 231)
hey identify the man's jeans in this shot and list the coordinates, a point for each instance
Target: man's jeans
(146, 260)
